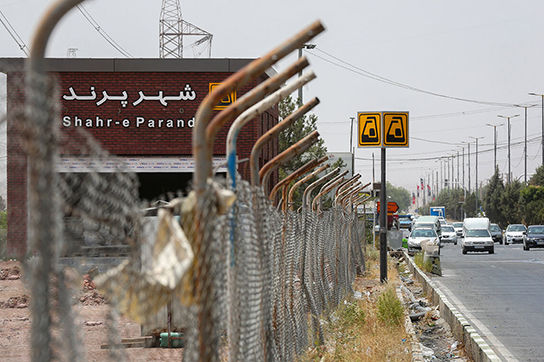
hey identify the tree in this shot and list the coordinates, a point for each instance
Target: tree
(532, 204)
(510, 203)
(399, 195)
(492, 199)
(538, 178)
(298, 130)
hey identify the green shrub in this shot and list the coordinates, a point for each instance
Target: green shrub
(352, 314)
(390, 310)
(3, 219)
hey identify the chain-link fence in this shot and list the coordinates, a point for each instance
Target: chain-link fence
(235, 276)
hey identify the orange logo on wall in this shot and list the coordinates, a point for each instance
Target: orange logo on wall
(226, 101)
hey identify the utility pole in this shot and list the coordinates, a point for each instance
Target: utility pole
(469, 167)
(452, 173)
(525, 143)
(509, 178)
(304, 46)
(476, 179)
(542, 132)
(441, 177)
(463, 168)
(494, 144)
(373, 174)
(457, 170)
(351, 146)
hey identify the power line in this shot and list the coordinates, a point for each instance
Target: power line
(362, 72)
(13, 33)
(102, 32)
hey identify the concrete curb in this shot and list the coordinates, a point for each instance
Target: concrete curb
(475, 346)
(417, 355)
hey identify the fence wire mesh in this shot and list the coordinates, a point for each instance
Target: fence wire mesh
(241, 281)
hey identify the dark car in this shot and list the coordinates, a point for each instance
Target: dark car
(534, 237)
(496, 233)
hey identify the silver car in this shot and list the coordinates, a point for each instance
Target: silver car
(448, 235)
(418, 235)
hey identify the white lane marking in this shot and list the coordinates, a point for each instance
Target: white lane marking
(494, 342)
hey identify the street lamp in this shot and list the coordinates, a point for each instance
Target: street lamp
(476, 178)
(525, 142)
(305, 46)
(494, 143)
(508, 118)
(542, 132)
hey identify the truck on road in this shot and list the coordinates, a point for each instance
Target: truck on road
(476, 235)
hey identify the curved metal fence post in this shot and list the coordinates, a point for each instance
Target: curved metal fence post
(253, 159)
(307, 167)
(316, 203)
(44, 210)
(345, 184)
(253, 112)
(297, 184)
(294, 150)
(312, 186)
(347, 191)
(203, 166)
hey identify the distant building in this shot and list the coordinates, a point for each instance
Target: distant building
(345, 157)
(141, 111)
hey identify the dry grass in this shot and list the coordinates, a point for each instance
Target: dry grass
(356, 333)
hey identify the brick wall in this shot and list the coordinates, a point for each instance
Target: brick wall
(119, 128)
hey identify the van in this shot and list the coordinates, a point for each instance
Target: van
(429, 221)
(477, 236)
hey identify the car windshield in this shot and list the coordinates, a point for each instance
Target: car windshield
(423, 233)
(516, 228)
(404, 218)
(427, 226)
(457, 224)
(535, 230)
(478, 233)
(448, 229)
(495, 227)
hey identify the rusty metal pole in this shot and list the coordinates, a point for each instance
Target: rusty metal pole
(335, 180)
(201, 151)
(346, 183)
(293, 151)
(346, 192)
(257, 147)
(202, 287)
(44, 208)
(313, 185)
(252, 113)
(346, 187)
(297, 184)
(316, 203)
(307, 167)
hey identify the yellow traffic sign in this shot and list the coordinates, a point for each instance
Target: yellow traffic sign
(369, 129)
(395, 129)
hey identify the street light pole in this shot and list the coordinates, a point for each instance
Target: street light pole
(542, 132)
(509, 178)
(352, 150)
(476, 179)
(304, 46)
(494, 144)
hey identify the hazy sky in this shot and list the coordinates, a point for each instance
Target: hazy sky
(482, 50)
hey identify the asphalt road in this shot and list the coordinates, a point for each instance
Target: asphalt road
(501, 294)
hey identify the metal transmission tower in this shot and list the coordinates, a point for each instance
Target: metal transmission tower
(172, 30)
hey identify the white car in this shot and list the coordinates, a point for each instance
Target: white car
(515, 233)
(478, 240)
(448, 235)
(418, 235)
(458, 226)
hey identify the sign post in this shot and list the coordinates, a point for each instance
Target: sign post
(383, 129)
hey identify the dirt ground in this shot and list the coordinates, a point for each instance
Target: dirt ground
(90, 309)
